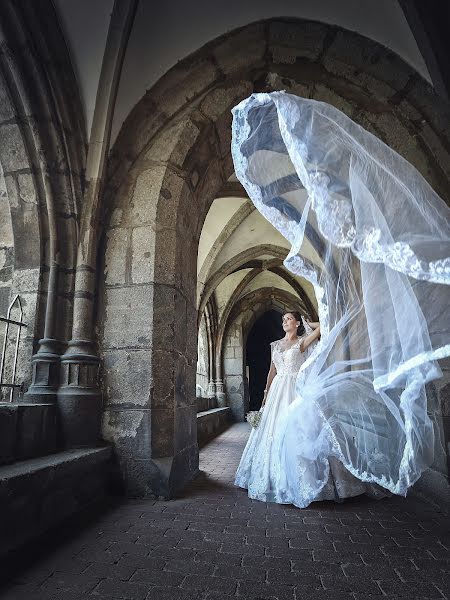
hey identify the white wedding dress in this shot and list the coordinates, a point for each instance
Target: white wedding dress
(372, 237)
(273, 473)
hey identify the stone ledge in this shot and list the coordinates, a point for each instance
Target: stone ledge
(204, 404)
(27, 430)
(212, 422)
(39, 493)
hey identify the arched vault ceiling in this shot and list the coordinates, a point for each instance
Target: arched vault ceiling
(226, 288)
(267, 279)
(245, 281)
(218, 218)
(166, 32)
(241, 252)
(252, 232)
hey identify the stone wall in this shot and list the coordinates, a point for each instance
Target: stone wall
(6, 248)
(19, 267)
(236, 385)
(202, 378)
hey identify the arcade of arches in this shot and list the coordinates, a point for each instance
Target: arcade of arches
(147, 278)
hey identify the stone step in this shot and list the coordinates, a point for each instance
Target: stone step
(27, 430)
(212, 422)
(39, 493)
(204, 404)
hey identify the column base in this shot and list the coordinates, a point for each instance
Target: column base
(79, 397)
(44, 385)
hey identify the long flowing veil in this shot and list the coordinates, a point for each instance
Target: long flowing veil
(372, 237)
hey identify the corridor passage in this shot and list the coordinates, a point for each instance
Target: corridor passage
(213, 542)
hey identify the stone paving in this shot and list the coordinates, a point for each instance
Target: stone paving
(214, 543)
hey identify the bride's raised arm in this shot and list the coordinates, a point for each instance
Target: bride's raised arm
(311, 337)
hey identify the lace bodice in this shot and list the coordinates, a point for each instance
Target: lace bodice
(289, 361)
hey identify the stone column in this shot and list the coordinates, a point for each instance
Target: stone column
(79, 397)
(46, 361)
(211, 389)
(220, 393)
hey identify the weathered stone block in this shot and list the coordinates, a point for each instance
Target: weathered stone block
(174, 143)
(291, 40)
(167, 269)
(13, 156)
(234, 386)
(389, 128)
(36, 430)
(185, 427)
(421, 97)
(183, 394)
(6, 107)
(128, 429)
(144, 201)
(168, 309)
(184, 467)
(26, 280)
(142, 255)
(233, 366)
(222, 99)
(25, 223)
(281, 82)
(437, 149)
(6, 231)
(189, 78)
(128, 377)
(27, 190)
(163, 432)
(163, 367)
(229, 352)
(8, 424)
(128, 318)
(346, 50)
(229, 53)
(142, 478)
(325, 94)
(117, 241)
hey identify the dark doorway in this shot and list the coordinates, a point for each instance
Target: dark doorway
(265, 330)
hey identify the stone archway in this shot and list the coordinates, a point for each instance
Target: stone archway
(170, 161)
(240, 321)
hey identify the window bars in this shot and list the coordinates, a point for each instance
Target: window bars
(12, 384)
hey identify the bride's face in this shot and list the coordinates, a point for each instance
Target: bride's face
(289, 323)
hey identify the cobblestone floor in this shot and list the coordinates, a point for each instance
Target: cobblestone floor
(213, 542)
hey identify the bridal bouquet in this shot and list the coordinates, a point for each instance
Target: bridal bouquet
(254, 417)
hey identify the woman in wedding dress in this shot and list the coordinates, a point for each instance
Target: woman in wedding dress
(262, 469)
(348, 413)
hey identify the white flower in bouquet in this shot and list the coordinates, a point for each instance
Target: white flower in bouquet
(254, 417)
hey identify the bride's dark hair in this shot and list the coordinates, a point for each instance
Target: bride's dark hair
(297, 316)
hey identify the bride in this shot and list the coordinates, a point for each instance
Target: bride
(261, 469)
(346, 413)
